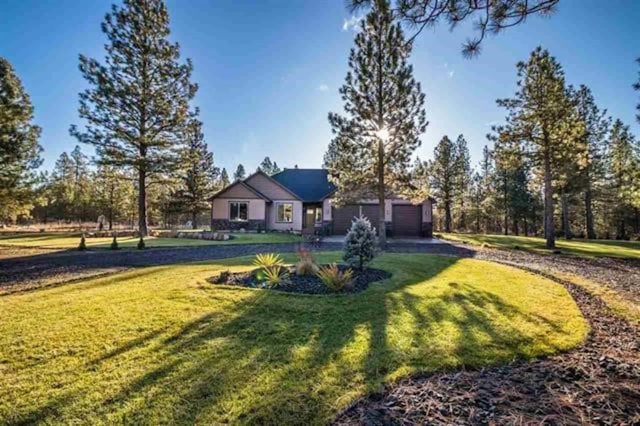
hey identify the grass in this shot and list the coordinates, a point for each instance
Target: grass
(161, 345)
(71, 240)
(579, 247)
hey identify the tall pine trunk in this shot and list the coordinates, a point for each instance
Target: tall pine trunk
(549, 229)
(588, 213)
(382, 227)
(142, 204)
(194, 220)
(447, 216)
(566, 225)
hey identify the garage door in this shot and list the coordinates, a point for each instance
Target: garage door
(343, 216)
(407, 220)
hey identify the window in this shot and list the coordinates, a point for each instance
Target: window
(238, 211)
(284, 212)
(319, 215)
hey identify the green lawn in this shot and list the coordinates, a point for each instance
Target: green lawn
(162, 345)
(69, 240)
(586, 248)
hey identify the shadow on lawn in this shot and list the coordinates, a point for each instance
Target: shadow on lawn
(291, 359)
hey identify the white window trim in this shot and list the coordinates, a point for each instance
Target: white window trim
(238, 202)
(278, 207)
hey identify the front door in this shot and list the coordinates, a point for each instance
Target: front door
(309, 219)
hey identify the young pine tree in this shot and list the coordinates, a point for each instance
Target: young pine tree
(541, 117)
(462, 179)
(623, 170)
(269, 167)
(240, 173)
(636, 86)
(198, 180)
(224, 179)
(19, 149)
(137, 102)
(383, 118)
(444, 177)
(360, 243)
(596, 125)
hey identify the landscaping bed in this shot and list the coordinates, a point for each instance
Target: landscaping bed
(306, 284)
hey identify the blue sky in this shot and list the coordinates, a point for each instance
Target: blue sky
(269, 71)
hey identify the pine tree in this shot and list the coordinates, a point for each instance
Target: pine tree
(360, 243)
(636, 86)
(82, 184)
(486, 188)
(113, 190)
(269, 167)
(596, 125)
(623, 164)
(239, 174)
(462, 179)
(489, 16)
(137, 102)
(200, 174)
(63, 184)
(383, 118)
(19, 149)
(540, 116)
(444, 177)
(224, 179)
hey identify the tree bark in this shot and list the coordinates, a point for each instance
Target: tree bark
(549, 229)
(194, 220)
(382, 228)
(588, 210)
(506, 206)
(142, 204)
(566, 226)
(447, 216)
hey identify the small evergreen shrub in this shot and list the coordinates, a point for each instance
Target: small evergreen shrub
(335, 279)
(83, 244)
(114, 244)
(141, 245)
(360, 246)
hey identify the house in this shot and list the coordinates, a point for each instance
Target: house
(300, 200)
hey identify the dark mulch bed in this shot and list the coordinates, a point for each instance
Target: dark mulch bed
(598, 383)
(307, 284)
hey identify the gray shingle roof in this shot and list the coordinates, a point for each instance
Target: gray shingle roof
(312, 185)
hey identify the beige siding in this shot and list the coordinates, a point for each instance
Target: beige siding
(269, 188)
(239, 191)
(221, 208)
(296, 225)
